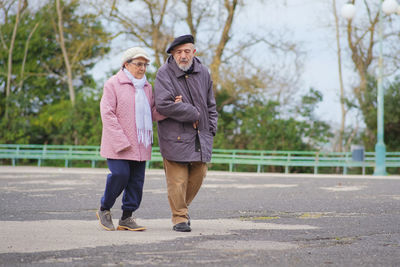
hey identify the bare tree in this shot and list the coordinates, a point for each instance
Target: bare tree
(143, 21)
(361, 40)
(223, 50)
(152, 23)
(203, 10)
(361, 46)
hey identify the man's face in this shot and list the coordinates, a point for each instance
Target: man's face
(183, 55)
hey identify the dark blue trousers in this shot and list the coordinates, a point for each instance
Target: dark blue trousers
(127, 176)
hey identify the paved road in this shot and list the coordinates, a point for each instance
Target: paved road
(47, 218)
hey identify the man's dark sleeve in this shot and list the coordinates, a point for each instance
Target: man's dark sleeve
(165, 101)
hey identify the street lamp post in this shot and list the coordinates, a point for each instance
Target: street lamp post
(389, 7)
(380, 148)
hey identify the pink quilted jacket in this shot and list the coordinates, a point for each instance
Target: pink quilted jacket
(117, 106)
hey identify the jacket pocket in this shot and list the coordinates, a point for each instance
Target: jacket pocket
(206, 141)
(180, 137)
(173, 131)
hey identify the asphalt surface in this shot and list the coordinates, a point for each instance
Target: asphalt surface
(47, 218)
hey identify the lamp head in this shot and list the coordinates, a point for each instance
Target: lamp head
(390, 6)
(348, 11)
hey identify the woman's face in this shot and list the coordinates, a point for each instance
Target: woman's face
(137, 67)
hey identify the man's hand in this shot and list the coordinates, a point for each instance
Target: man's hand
(195, 124)
(178, 98)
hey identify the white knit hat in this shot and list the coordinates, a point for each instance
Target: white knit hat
(134, 52)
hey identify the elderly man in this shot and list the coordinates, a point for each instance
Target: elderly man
(186, 136)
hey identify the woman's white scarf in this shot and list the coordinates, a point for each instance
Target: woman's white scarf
(144, 123)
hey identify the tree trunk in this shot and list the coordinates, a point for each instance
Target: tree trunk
(156, 36)
(68, 66)
(21, 81)
(10, 54)
(216, 63)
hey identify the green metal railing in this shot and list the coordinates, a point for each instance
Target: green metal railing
(232, 158)
(50, 152)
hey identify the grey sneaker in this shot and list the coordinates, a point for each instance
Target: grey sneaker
(129, 224)
(105, 219)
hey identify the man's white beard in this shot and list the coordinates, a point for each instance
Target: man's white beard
(186, 67)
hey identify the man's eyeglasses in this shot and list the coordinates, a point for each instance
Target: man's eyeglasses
(140, 64)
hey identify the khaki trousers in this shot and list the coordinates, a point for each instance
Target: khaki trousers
(183, 183)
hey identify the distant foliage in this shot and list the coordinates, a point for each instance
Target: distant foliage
(258, 104)
(38, 108)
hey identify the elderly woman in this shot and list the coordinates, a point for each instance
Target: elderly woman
(127, 111)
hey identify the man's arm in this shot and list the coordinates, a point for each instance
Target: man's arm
(165, 101)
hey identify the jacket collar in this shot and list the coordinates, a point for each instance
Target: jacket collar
(177, 71)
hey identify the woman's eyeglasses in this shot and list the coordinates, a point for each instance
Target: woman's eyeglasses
(140, 64)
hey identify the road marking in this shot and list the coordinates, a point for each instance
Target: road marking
(53, 182)
(248, 186)
(35, 190)
(341, 188)
(155, 191)
(245, 245)
(52, 235)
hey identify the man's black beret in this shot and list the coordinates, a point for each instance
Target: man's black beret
(184, 39)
